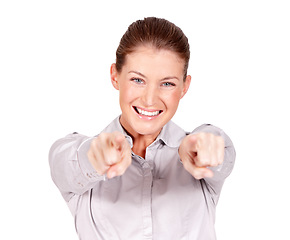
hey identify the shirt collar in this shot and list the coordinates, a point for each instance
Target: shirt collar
(171, 134)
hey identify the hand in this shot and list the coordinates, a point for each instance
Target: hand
(110, 153)
(200, 151)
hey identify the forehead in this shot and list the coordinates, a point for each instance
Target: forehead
(150, 59)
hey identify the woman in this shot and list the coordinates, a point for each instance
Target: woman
(143, 177)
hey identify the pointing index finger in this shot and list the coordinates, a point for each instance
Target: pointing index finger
(122, 146)
(118, 141)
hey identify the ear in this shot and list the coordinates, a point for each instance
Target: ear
(186, 85)
(114, 76)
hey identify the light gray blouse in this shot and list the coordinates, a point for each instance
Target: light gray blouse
(156, 198)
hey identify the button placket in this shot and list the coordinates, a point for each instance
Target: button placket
(147, 169)
(146, 201)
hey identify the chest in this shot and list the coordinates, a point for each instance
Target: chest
(154, 193)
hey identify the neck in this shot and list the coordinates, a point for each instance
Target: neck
(140, 143)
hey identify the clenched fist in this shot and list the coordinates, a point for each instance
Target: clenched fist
(200, 151)
(110, 153)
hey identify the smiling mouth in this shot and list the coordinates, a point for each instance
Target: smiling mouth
(147, 113)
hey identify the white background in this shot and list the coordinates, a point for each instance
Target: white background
(54, 69)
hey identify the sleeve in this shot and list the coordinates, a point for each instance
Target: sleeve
(70, 168)
(221, 172)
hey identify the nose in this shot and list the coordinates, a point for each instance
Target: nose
(150, 95)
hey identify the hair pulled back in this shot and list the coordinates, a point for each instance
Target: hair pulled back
(155, 32)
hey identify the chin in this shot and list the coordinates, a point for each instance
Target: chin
(147, 130)
(150, 132)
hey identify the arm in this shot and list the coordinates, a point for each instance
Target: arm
(223, 170)
(71, 170)
(208, 154)
(78, 162)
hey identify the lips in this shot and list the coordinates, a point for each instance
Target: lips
(147, 113)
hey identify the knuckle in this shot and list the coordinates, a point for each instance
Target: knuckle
(214, 163)
(206, 136)
(108, 161)
(221, 140)
(90, 154)
(111, 158)
(100, 167)
(206, 163)
(100, 137)
(94, 143)
(102, 170)
(202, 135)
(199, 163)
(201, 160)
(212, 136)
(103, 139)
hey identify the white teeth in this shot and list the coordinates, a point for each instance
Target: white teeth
(145, 113)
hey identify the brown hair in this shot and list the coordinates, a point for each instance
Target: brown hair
(156, 32)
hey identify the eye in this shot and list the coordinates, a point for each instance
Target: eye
(168, 84)
(137, 80)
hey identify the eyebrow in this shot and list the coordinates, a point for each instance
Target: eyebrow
(142, 75)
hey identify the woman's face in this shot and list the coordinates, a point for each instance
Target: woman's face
(150, 86)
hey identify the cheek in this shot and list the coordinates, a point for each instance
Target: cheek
(172, 99)
(127, 94)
